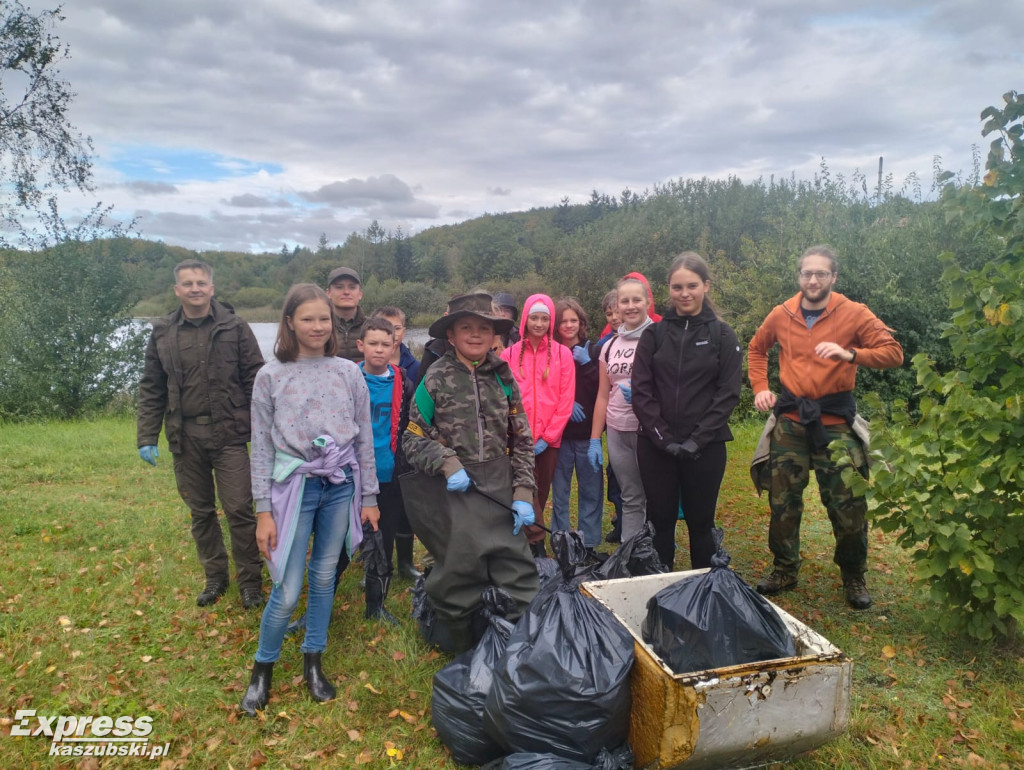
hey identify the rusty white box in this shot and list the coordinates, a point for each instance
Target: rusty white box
(733, 717)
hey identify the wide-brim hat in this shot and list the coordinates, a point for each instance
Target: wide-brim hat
(478, 305)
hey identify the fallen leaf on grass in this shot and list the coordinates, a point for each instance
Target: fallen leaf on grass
(1017, 725)
(364, 757)
(258, 759)
(889, 651)
(407, 717)
(146, 658)
(354, 735)
(398, 656)
(369, 686)
(353, 706)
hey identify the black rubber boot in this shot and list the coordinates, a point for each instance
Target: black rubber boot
(319, 686)
(461, 635)
(376, 593)
(258, 692)
(403, 549)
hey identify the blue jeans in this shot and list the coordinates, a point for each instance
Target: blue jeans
(589, 491)
(325, 510)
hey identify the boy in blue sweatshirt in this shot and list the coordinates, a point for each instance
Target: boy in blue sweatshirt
(390, 393)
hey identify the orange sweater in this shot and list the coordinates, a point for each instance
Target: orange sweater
(848, 323)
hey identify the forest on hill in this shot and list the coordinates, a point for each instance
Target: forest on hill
(888, 240)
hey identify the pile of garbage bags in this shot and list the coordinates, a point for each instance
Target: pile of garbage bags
(714, 620)
(550, 691)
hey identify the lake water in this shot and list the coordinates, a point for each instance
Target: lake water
(266, 333)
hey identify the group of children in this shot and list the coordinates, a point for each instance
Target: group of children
(489, 436)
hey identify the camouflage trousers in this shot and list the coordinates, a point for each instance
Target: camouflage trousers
(792, 459)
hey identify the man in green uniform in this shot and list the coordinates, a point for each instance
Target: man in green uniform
(345, 290)
(200, 366)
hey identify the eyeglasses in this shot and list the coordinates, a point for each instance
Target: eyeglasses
(821, 275)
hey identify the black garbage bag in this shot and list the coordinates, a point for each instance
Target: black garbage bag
(570, 563)
(570, 551)
(432, 629)
(562, 685)
(621, 759)
(547, 570)
(376, 562)
(633, 558)
(461, 687)
(714, 620)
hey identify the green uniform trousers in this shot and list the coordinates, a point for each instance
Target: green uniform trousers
(792, 458)
(201, 461)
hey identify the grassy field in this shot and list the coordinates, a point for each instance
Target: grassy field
(98, 617)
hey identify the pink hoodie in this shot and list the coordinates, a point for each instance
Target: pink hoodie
(547, 400)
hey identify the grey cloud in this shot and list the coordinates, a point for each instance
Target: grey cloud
(145, 187)
(384, 189)
(250, 201)
(552, 100)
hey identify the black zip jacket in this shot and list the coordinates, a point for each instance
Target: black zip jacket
(687, 386)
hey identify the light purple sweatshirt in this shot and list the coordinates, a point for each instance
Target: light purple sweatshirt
(294, 403)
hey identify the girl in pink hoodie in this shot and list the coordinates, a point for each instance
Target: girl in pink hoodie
(546, 375)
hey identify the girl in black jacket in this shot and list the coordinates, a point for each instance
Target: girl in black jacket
(686, 382)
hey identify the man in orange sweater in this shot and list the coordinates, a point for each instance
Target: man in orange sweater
(823, 337)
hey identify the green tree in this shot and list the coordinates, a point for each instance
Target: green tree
(68, 345)
(40, 151)
(951, 481)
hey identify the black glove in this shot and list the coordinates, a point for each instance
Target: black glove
(688, 450)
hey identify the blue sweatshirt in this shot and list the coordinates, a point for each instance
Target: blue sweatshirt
(381, 388)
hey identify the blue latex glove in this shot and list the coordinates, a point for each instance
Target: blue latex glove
(581, 355)
(459, 481)
(627, 393)
(149, 453)
(540, 446)
(522, 515)
(578, 415)
(595, 454)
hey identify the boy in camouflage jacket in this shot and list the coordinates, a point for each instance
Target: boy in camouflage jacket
(467, 424)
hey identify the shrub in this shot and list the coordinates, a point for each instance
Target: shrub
(951, 480)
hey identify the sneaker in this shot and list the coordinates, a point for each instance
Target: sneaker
(857, 595)
(776, 583)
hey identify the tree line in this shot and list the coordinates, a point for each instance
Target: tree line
(750, 233)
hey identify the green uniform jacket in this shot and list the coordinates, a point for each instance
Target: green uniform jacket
(233, 358)
(348, 336)
(471, 422)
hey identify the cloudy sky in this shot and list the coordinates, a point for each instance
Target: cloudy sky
(222, 124)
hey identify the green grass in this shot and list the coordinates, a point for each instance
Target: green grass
(98, 616)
